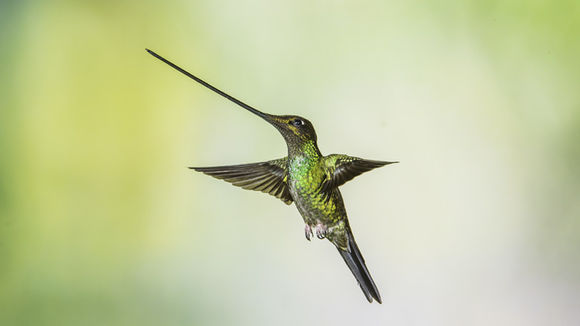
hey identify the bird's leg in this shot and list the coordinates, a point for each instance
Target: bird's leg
(307, 231)
(320, 230)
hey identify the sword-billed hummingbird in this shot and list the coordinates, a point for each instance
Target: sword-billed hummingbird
(305, 177)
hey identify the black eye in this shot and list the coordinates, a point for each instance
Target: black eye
(297, 122)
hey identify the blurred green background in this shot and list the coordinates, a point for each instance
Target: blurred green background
(102, 224)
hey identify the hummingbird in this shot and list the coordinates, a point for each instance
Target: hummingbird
(306, 178)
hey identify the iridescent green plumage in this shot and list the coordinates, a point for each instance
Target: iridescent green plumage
(308, 179)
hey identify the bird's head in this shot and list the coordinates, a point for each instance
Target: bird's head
(293, 128)
(297, 131)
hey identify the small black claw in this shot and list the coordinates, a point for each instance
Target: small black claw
(320, 232)
(307, 232)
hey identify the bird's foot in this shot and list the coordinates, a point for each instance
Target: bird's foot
(320, 231)
(307, 231)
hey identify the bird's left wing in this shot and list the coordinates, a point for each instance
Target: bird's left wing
(269, 177)
(342, 168)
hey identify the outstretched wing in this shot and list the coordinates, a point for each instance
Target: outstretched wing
(269, 177)
(342, 168)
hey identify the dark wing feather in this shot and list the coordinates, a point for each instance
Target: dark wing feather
(268, 177)
(343, 168)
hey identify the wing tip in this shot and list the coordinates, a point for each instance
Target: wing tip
(200, 169)
(388, 162)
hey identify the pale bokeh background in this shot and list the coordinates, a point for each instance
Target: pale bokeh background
(102, 224)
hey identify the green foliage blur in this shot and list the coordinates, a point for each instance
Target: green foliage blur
(101, 222)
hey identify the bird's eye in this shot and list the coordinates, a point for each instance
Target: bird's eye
(297, 122)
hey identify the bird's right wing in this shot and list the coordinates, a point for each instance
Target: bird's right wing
(269, 177)
(342, 168)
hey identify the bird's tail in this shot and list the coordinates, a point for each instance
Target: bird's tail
(356, 263)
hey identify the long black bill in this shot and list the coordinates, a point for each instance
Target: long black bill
(204, 83)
